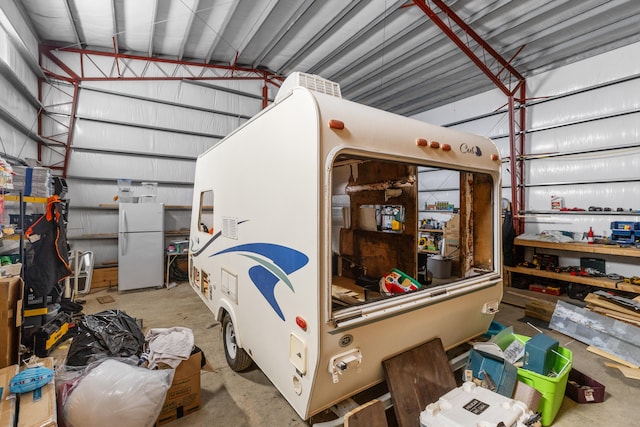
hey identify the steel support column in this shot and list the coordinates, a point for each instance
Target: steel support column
(511, 83)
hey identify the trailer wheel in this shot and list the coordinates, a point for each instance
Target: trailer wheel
(237, 358)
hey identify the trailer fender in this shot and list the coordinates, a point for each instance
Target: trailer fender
(226, 308)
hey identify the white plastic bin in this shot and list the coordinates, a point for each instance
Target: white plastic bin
(470, 405)
(148, 192)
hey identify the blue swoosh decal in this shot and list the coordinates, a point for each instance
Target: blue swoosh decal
(266, 275)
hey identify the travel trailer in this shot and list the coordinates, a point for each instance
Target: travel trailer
(308, 240)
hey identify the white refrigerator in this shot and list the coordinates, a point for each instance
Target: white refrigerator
(140, 245)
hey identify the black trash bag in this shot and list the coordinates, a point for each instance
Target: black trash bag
(110, 333)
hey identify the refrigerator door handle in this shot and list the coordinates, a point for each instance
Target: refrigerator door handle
(123, 221)
(122, 242)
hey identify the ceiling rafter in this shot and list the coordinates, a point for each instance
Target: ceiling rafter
(555, 33)
(399, 57)
(72, 22)
(299, 12)
(359, 38)
(152, 27)
(114, 23)
(187, 30)
(348, 11)
(250, 35)
(218, 36)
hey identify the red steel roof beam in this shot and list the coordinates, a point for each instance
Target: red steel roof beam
(233, 68)
(462, 45)
(515, 120)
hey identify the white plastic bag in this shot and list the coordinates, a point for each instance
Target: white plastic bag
(114, 393)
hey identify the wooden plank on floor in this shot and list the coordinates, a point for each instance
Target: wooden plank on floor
(633, 373)
(604, 303)
(371, 414)
(607, 355)
(522, 297)
(542, 310)
(416, 378)
(619, 338)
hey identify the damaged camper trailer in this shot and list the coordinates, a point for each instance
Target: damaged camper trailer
(301, 214)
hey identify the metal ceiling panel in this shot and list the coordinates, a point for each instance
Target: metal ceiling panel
(91, 24)
(52, 20)
(172, 25)
(387, 54)
(134, 20)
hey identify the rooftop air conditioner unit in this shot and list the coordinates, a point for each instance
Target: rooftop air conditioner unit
(309, 81)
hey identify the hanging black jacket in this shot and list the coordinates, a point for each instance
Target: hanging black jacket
(47, 260)
(508, 236)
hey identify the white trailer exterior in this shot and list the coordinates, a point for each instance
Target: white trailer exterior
(265, 260)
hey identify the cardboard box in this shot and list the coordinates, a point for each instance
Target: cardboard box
(527, 394)
(7, 399)
(183, 397)
(38, 407)
(11, 297)
(104, 277)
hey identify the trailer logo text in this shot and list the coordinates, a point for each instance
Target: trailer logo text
(470, 149)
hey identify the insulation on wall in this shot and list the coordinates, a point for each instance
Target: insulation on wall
(18, 85)
(582, 142)
(146, 131)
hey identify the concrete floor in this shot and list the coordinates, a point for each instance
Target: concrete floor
(249, 399)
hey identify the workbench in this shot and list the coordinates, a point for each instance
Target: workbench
(578, 247)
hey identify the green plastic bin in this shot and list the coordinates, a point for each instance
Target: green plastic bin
(551, 388)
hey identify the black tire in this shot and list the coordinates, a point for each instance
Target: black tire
(237, 358)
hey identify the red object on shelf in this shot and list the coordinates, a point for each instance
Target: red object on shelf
(545, 289)
(590, 236)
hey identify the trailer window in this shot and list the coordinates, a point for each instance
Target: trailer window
(205, 217)
(418, 226)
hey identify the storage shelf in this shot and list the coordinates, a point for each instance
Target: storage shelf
(110, 236)
(115, 206)
(584, 248)
(601, 282)
(25, 199)
(559, 212)
(580, 247)
(427, 230)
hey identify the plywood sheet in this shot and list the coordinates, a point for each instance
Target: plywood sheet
(416, 378)
(371, 414)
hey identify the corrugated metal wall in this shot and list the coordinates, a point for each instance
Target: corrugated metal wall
(146, 130)
(583, 141)
(18, 84)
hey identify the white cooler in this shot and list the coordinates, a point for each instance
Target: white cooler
(473, 406)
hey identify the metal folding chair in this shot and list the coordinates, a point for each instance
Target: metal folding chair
(81, 263)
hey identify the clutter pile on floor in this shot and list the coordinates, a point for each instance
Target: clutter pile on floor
(506, 379)
(113, 375)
